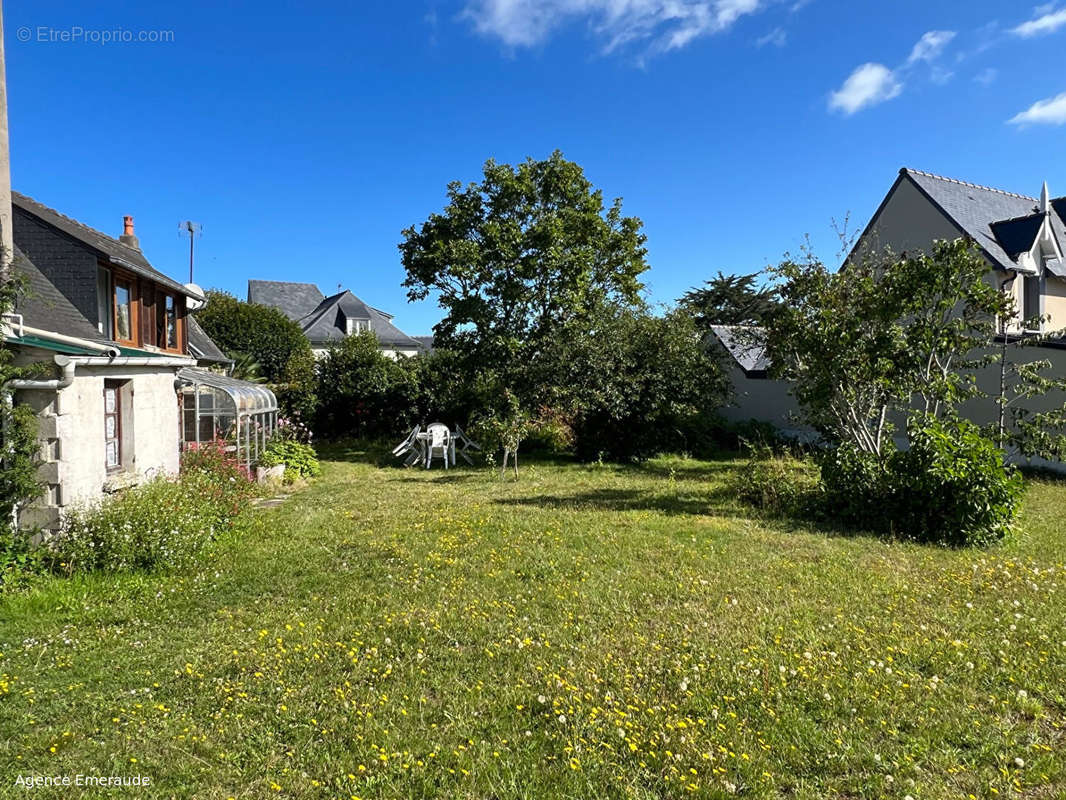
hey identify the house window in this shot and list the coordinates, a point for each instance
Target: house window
(166, 316)
(113, 425)
(1031, 302)
(123, 310)
(357, 326)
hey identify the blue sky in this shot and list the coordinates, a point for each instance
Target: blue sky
(305, 137)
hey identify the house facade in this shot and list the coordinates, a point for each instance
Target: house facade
(327, 320)
(1021, 237)
(117, 332)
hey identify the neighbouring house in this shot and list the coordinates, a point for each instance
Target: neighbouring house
(131, 390)
(1023, 239)
(755, 394)
(327, 320)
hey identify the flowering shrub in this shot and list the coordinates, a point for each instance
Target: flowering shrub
(214, 458)
(164, 522)
(292, 429)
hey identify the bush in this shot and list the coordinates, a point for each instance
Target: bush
(952, 486)
(857, 489)
(776, 483)
(300, 459)
(270, 339)
(640, 385)
(20, 561)
(162, 523)
(365, 394)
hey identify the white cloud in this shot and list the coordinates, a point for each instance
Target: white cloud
(1048, 21)
(1051, 111)
(868, 85)
(987, 76)
(930, 46)
(778, 37)
(665, 24)
(874, 83)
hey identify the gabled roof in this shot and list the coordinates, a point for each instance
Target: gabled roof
(744, 344)
(976, 209)
(324, 319)
(106, 247)
(294, 300)
(203, 346)
(327, 322)
(426, 342)
(43, 306)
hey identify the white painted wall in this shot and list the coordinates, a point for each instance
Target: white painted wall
(71, 431)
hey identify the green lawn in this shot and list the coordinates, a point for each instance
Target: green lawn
(591, 631)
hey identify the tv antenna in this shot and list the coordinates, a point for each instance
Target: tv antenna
(192, 230)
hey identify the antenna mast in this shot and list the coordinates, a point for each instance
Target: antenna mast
(193, 229)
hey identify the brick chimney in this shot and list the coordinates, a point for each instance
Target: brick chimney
(127, 238)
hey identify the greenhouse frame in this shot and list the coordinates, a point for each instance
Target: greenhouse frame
(216, 406)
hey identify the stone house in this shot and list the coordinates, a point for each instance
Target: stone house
(121, 336)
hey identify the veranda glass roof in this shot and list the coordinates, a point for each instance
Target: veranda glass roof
(247, 398)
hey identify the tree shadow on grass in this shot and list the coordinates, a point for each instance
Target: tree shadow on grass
(713, 503)
(458, 476)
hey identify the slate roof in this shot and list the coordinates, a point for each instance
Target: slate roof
(742, 343)
(202, 346)
(426, 342)
(324, 319)
(294, 300)
(108, 248)
(974, 209)
(327, 323)
(43, 306)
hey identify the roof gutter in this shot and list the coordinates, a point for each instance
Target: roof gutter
(109, 350)
(132, 361)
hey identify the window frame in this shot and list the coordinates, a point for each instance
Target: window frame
(129, 283)
(116, 388)
(171, 322)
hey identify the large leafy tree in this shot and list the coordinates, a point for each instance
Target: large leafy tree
(728, 300)
(881, 336)
(642, 384)
(514, 259)
(265, 336)
(364, 393)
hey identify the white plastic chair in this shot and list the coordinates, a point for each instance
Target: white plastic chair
(440, 442)
(410, 448)
(465, 444)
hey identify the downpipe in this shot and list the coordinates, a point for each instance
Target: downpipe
(67, 366)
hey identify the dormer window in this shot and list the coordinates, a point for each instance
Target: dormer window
(1031, 303)
(355, 326)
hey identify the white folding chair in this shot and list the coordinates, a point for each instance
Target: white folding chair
(409, 449)
(465, 443)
